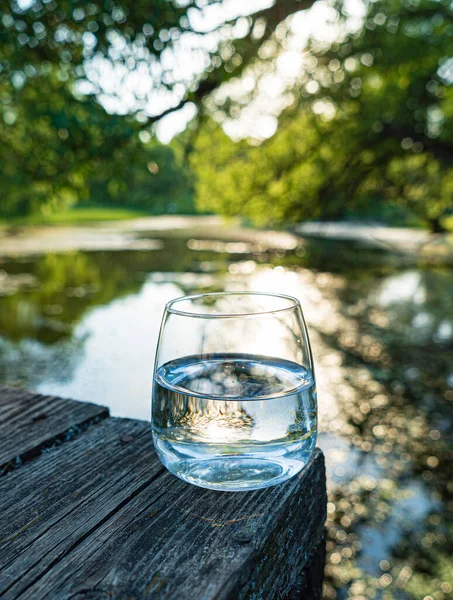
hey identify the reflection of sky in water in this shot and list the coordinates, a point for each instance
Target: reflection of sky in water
(117, 363)
(408, 513)
(403, 287)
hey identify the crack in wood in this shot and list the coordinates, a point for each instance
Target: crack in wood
(32, 424)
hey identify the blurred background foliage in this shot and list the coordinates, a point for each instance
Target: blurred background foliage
(364, 107)
(369, 122)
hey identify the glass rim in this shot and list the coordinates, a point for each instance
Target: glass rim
(169, 306)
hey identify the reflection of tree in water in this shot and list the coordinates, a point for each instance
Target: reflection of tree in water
(399, 416)
(340, 255)
(67, 285)
(200, 419)
(43, 298)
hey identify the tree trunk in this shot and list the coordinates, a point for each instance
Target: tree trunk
(436, 226)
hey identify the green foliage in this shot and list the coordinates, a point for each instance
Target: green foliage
(79, 213)
(372, 123)
(157, 181)
(423, 184)
(268, 184)
(59, 145)
(58, 150)
(53, 145)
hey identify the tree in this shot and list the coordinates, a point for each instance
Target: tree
(279, 181)
(371, 122)
(156, 179)
(56, 134)
(53, 145)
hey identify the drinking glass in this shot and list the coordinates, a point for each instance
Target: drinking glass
(234, 401)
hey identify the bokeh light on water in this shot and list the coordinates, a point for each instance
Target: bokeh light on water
(85, 325)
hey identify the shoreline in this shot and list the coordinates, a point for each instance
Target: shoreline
(147, 233)
(144, 233)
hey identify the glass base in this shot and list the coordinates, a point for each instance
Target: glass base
(233, 473)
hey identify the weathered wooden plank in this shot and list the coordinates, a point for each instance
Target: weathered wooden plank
(113, 524)
(192, 543)
(309, 584)
(30, 422)
(51, 504)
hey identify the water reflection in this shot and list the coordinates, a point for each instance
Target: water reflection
(85, 325)
(116, 365)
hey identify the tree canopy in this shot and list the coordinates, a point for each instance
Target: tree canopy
(366, 119)
(56, 134)
(370, 122)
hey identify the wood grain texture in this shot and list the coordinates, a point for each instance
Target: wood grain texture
(98, 517)
(30, 422)
(49, 505)
(309, 583)
(127, 529)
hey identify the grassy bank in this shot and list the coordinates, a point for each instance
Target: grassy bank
(92, 213)
(79, 215)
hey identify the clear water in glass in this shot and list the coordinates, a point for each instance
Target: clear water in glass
(235, 420)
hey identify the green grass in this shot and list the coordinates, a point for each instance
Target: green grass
(86, 214)
(78, 215)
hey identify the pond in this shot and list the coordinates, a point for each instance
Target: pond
(85, 325)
